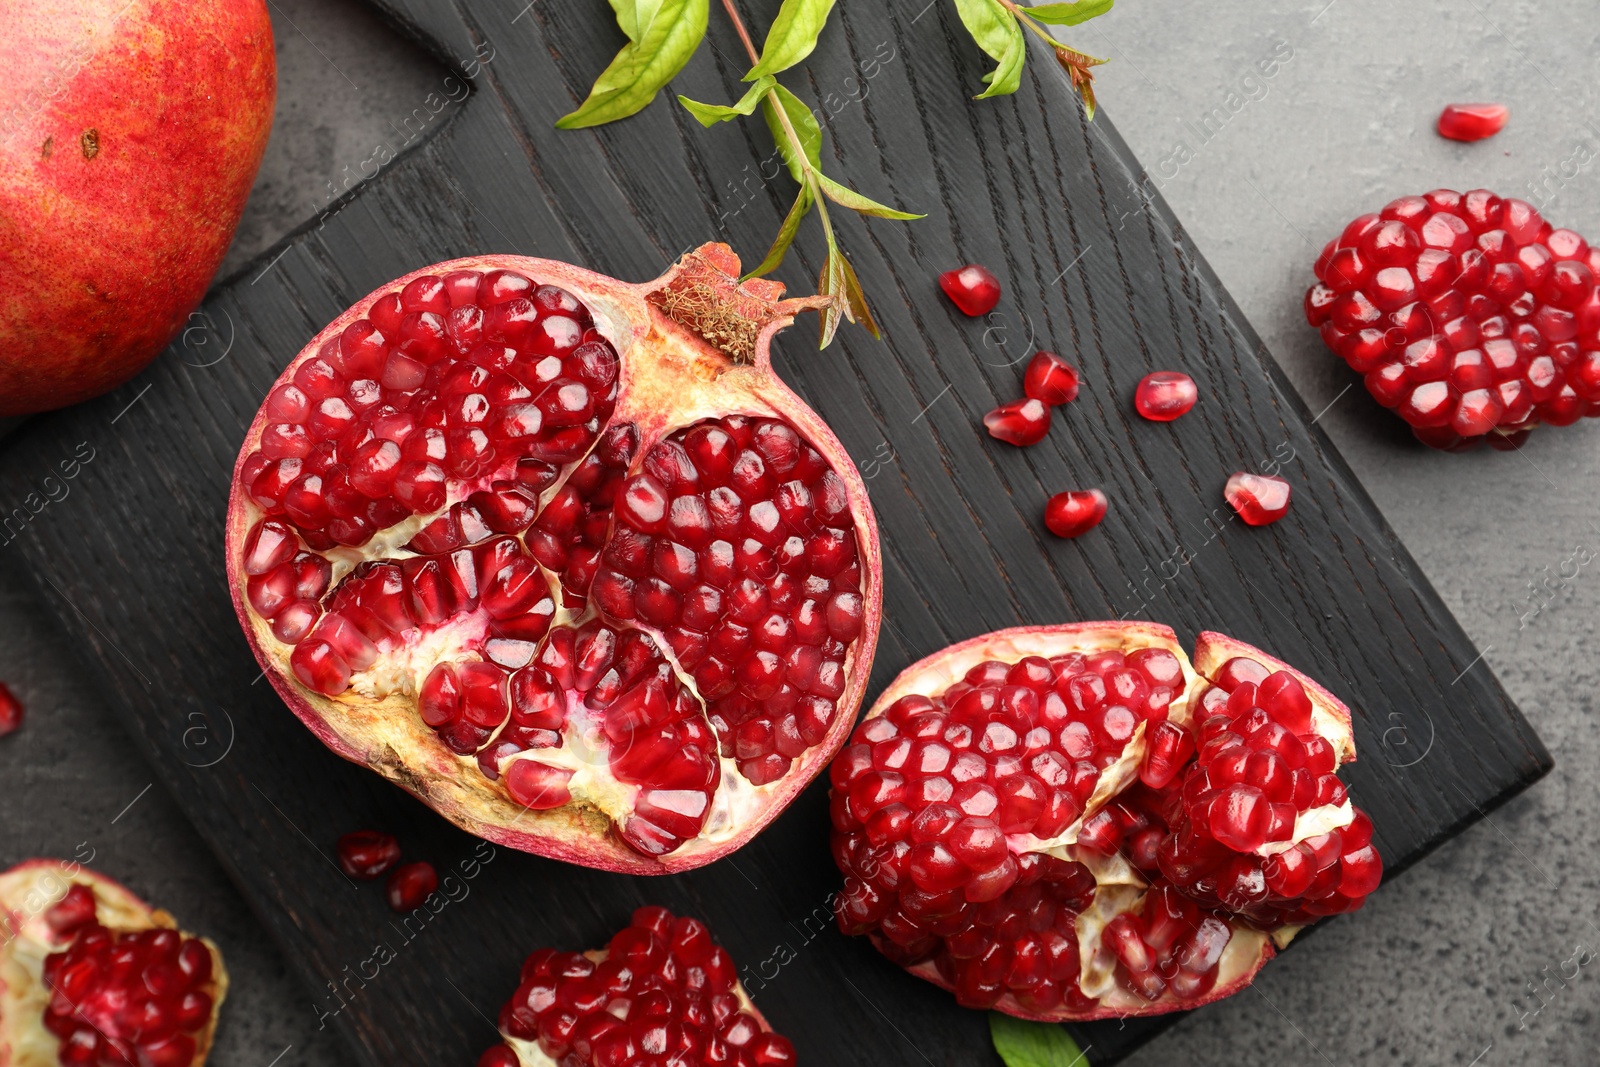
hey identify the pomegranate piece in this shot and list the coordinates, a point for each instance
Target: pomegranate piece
(410, 885)
(660, 992)
(987, 826)
(116, 214)
(367, 854)
(1466, 314)
(1021, 422)
(973, 289)
(10, 711)
(1259, 499)
(1164, 395)
(1074, 512)
(1050, 379)
(1472, 122)
(99, 976)
(515, 520)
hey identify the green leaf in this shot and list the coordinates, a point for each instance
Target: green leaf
(805, 127)
(998, 34)
(831, 284)
(848, 197)
(632, 14)
(662, 36)
(711, 114)
(1024, 1044)
(791, 226)
(1069, 14)
(856, 301)
(792, 37)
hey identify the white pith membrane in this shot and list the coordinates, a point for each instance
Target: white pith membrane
(376, 721)
(1120, 887)
(27, 892)
(529, 1054)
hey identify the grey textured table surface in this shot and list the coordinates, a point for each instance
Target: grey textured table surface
(1437, 968)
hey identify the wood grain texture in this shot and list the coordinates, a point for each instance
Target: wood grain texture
(131, 558)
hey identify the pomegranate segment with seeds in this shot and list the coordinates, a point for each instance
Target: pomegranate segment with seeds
(1258, 499)
(1468, 315)
(90, 974)
(1472, 122)
(973, 289)
(561, 555)
(661, 992)
(1076, 822)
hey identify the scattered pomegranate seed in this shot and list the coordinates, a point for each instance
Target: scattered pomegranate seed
(1021, 422)
(10, 711)
(973, 289)
(1472, 122)
(1164, 395)
(410, 885)
(365, 854)
(1050, 379)
(661, 992)
(1075, 512)
(1259, 499)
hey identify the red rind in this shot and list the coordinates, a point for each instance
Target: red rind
(630, 316)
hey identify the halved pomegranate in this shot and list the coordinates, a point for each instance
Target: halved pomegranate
(91, 974)
(661, 992)
(1075, 822)
(561, 555)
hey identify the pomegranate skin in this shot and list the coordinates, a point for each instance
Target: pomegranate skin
(130, 134)
(411, 757)
(27, 892)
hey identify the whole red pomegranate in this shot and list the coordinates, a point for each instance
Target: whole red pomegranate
(1075, 822)
(130, 132)
(561, 555)
(661, 992)
(90, 974)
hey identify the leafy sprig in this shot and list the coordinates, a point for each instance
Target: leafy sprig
(1025, 1044)
(662, 36)
(997, 25)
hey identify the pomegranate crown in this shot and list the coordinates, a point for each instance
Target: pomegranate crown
(703, 294)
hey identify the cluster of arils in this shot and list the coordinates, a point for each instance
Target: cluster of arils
(1468, 315)
(1071, 822)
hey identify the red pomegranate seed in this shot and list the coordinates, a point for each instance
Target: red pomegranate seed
(661, 986)
(1472, 122)
(499, 1055)
(1164, 395)
(10, 710)
(1050, 379)
(410, 885)
(1074, 512)
(1259, 499)
(366, 854)
(973, 289)
(1021, 422)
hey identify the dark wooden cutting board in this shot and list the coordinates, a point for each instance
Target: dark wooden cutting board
(130, 559)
